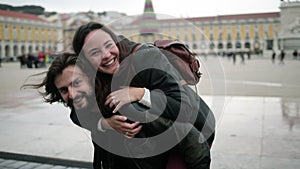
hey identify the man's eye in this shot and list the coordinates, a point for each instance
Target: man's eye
(76, 83)
(63, 91)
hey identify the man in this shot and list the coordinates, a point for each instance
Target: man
(67, 82)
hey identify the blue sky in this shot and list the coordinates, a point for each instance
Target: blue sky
(178, 8)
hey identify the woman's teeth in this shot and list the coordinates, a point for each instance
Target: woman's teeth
(110, 62)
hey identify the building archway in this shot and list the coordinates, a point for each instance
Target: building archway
(6, 52)
(247, 45)
(211, 46)
(30, 49)
(238, 45)
(257, 49)
(229, 45)
(220, 46)
(15, 51)
(195, 46)
(23, 50)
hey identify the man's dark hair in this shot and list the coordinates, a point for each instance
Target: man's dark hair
(60, 62)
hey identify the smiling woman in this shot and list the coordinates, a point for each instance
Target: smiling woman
(101, 51)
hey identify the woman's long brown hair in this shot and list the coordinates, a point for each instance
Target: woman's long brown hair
(103, 81)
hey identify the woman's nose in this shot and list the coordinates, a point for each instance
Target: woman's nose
(106, 54)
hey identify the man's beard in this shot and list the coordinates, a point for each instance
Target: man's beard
(91, 102)
(70, 103)
(88, 114)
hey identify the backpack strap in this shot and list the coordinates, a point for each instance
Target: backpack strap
(136, 48)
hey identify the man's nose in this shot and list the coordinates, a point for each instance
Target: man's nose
(70, 92)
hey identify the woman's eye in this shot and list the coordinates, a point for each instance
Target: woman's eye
(94, 52)
(110, 45)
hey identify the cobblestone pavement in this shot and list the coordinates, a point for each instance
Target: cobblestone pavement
(17, 164)
(21, 161)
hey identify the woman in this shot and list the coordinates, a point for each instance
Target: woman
(105, 51)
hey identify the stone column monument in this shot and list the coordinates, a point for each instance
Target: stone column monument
(289, 34)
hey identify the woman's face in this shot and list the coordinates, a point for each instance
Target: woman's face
(100, 49)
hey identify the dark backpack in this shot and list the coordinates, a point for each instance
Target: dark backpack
(181, 58)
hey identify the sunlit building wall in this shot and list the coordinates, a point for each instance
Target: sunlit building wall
(256, 32)
(25, 33)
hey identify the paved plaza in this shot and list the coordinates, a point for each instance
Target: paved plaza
(257, 106)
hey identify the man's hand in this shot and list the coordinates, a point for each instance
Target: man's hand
(118, 123)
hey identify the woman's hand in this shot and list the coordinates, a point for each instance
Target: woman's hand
(124, 96)
(118, 123)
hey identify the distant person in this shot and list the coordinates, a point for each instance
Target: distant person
(36, 61)
(242, 57)
(233, 57)
(273, 56)
(22, 60)
(295, 54)
(249, 55)
(30, 60)
(282, 56)
(41, 59)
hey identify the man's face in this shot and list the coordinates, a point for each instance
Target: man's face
(74, 87)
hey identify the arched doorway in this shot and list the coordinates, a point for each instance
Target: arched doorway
(6, 52)
(229, 45)
(220, 46)
(23, 49)
(15, 51)
(247, 45)
(211, 46)
(30, 49)
(257, 47)
(221, 52)
(238, 45)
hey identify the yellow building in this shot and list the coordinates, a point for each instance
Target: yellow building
(255, 32)
(22, 33)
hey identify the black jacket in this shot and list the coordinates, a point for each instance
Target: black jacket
(149, 68)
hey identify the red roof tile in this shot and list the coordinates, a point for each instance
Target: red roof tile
(20, 15)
